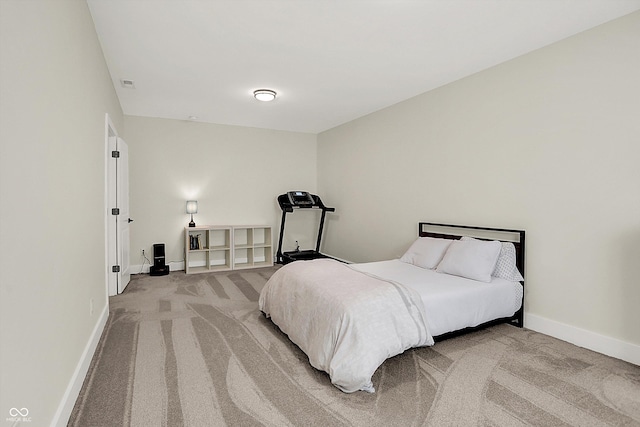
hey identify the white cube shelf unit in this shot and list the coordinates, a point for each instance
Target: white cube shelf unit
(211, 248)
(252, 247)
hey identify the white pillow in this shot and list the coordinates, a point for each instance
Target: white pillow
(470, 258)
(426, 252)
(506, 265)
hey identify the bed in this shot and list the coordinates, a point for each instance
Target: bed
(350, 318)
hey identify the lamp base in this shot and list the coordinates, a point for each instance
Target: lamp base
(192, 224)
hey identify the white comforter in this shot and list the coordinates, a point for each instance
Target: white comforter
(347, 322)
(451, 303)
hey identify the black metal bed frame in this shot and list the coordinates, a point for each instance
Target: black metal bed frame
(465, 230)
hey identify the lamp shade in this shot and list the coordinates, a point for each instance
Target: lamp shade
(192, 206)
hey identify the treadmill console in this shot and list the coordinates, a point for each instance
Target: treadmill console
(300, 199)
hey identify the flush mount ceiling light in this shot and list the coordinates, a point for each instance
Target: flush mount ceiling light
(265, 95)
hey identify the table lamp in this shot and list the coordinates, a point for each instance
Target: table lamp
(192, 207)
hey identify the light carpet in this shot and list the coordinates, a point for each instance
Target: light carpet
(194, 350)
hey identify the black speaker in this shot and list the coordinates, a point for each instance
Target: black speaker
(159, 268)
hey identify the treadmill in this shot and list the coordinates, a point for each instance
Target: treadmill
(289, 202)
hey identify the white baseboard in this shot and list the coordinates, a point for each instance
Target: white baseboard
(581, 337)
(61, 418)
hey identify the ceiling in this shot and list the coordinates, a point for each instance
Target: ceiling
(330, 61)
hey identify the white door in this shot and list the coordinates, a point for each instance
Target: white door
(122, 200)
(118, 246)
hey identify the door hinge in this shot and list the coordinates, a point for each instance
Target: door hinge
(115, 154)
(115, 269)
(115, 211)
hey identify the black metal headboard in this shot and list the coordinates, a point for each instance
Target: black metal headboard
(517, 237)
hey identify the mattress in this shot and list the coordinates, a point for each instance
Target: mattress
(450, 302)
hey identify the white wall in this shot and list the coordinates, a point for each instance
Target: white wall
(548, 142)
(55, 91)
(235, 173)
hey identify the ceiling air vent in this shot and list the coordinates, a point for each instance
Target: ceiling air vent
(127, 84)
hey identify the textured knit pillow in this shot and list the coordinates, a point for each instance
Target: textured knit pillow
(506, 265)
(471, 258)
(426, 252)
